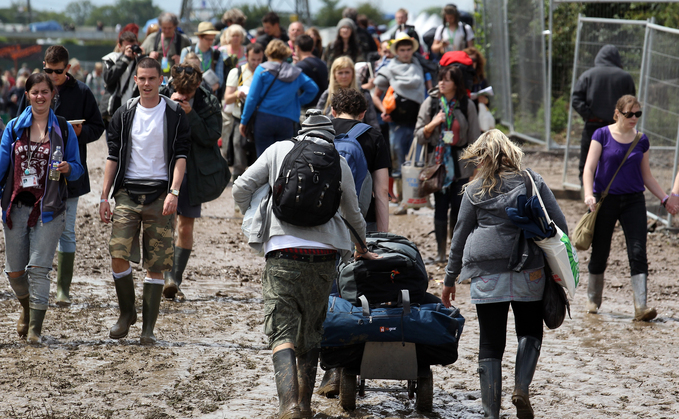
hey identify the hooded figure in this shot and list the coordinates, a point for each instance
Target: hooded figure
(596, 93)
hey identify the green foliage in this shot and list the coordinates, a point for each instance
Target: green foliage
(373, 12)
(559, 119)
(79, 12)
(254, 13)
(435, 10)
(329, 14)
(124, 12)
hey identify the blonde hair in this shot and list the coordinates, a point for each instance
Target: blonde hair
(622, 103)
(225, 38)
(277, 50)
(495, 157)
(340, 63)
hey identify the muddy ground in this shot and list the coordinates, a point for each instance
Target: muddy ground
(212, 361)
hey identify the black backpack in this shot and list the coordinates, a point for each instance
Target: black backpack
(308, 189)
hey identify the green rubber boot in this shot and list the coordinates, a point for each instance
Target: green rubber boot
(150, 308)
(35, 325)
(65, 263)
(128, 313)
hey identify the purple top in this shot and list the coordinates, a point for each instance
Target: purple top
(629, 179)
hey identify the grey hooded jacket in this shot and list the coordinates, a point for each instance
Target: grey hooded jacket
(485, 240)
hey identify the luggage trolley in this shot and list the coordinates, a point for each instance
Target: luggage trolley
(389, 343)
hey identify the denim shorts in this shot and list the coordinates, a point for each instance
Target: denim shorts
(129, 219)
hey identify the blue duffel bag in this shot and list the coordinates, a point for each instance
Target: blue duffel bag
(427, 324)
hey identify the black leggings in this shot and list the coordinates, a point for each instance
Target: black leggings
(493, 325)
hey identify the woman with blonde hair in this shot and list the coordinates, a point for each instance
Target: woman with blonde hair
(343, 76)
(505, 268)
(277, 93)
(232, 47)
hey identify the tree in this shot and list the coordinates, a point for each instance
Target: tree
(374, 13)
(124, 12)
(254, 14)
(329, 14)
(79, 12)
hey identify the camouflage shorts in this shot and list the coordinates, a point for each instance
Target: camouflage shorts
(295, 301)
(129, 219)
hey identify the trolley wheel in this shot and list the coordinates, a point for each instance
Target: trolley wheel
(425, 393)
(347, 396)
(412, 386)
(361, 388)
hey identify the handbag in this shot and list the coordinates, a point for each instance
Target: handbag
(486, 119)
(559, 253)
(250, 126)
(584, 230)
(554, 302)
(432, 178)
(410, 176)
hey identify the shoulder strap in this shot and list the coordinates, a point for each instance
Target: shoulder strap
(629, 150)
(64, 128)
(239, 74)
(157, 41)
(358, 130)
(267, 90)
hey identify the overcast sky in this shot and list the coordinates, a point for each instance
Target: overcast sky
(174, 6)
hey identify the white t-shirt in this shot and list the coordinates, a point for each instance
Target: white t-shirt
(455, 40)
(232, 81)
(292, 242)
(147, 160)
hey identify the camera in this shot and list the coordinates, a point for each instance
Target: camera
(136, 49)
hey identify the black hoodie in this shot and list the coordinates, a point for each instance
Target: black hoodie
(599, 88)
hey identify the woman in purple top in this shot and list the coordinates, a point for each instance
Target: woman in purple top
(625, 201)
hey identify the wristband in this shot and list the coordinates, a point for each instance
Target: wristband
(664, 200)
(103, 200)
(674, 194)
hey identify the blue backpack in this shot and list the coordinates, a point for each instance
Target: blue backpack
(348, 146)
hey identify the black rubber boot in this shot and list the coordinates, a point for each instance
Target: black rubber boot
(330, 384)
(490, 376)
(173, 278)
(526, 360)
(35, 325)
(128, 313)
(285, 369)
(24, 317)
(64, 277)
(306, 377)
(149, 311)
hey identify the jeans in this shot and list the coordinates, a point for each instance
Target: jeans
(630, 210)
(67, 239)
(270, 129)
(401, 137)
(32, 249)
(493, 325)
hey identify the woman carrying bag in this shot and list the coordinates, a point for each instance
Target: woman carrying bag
(624, 202)
(447, 122)
(484, 248)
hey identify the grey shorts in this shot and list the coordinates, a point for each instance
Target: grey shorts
(183, 207)
(296, 301)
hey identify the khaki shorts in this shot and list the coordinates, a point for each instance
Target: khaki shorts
(296, 301)
(129, 219)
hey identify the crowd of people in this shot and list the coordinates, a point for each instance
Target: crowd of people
(166, 105)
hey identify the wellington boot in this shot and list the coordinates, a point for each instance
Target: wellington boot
(490, 376)
(440, 228)
(641, 311)
(24, 317)
(306, 377)
(35, 326)
(285, 369)
(64, 277)
(150, 308)
(330, 384)
(173, 278)
(398, 183)
(595, 289)
(128, 313)
(527, 356)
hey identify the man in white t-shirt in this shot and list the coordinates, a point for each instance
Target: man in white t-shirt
(148, 142)
(237, 82)
(453, 35)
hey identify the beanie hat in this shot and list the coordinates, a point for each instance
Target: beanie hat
(346, 22)
(317, 125)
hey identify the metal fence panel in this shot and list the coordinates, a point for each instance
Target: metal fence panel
(497, 55)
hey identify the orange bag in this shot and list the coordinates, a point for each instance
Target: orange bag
(389, 101)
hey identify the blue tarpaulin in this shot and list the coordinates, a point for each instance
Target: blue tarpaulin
(50, 25)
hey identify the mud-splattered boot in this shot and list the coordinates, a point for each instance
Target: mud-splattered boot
(595, 289)
(24, 317)
(64, 277)
(35, 325)
(642, 313)
(128, 313)
(173, 278)
(150, 309)
(490, 376)
(527, 356)
(330, 384)
(306, 377)
(285, 369)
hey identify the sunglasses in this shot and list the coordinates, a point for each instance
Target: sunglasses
(54, 70)
(187, 70)
(631, 114)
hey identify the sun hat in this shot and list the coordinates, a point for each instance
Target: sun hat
(403, 37)
(206, 28)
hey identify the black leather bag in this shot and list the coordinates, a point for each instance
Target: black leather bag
(144, 191)
(554, 302)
